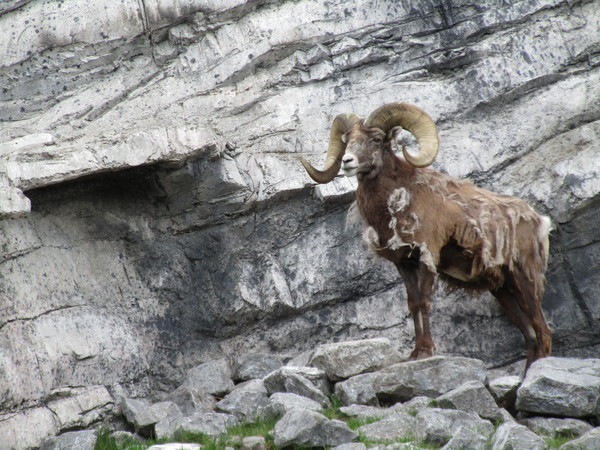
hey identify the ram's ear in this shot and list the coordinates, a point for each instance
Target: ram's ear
(393, 133)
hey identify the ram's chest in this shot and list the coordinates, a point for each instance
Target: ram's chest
(389, 214)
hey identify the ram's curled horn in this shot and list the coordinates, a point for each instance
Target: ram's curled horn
(335, 151)
(416, 121)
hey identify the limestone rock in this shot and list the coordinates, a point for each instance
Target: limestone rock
(430, 377)
(309, 428)
(210, 423)
(255, 365)
(247, 401)
(212, 377)
(574, 383)
(345, 359)
(289, 379)
(591, 439)
(511, 435)
(80, 407)
(84, 440)
(364, 412)
(437, 426)
(190, 399)
(553, 427)
(280, 403)
(467, 438)
(360, 389)
(471, 396)
(394, 426)
(254, 443)
(504, 386)
(143, 416)
(155, 215)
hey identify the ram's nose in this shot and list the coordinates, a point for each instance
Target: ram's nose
(349, 164)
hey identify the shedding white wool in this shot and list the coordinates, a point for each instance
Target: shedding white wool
(371, 237)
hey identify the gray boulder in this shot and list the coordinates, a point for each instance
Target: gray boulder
(80, 440)
(213, 377)
(466, 438)
(502, 387)
(345, 359)
(210, 423)
(191, 399)
(365, 412)
(392, 427)
(574, 385)
(513, 436)
(438, 426)
(282, 402)
(471, 396)
(252, 366)
(587, 441)
(246, 402)
(300, 427)
(254, 443)
(400, 382)
(143, 416)
(429, 377)
(290, 379)
(351, 446)
(359, 390)
(175, 446)
(554, 427)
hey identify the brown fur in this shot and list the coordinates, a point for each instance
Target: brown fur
(429, 224)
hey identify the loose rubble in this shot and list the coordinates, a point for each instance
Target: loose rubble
(443, 401)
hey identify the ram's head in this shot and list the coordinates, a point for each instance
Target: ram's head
(356, 145)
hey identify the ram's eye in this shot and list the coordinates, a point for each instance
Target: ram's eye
(377, 140)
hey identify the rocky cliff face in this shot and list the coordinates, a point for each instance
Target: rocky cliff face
(155, 214)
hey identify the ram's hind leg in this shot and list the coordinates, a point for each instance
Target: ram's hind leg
(419, 285)
(511, 307)
(524, 309)
(530, 302)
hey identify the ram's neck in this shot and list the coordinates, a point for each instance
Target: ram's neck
(372, 195)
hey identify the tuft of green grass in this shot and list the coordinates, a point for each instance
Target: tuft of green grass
(557, 441)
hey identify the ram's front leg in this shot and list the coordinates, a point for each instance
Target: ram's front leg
(419, 286)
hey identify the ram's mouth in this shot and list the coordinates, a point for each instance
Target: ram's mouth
(349, 170)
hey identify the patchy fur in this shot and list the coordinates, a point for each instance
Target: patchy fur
(432, 225)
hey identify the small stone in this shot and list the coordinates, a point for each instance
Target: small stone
(254, 443)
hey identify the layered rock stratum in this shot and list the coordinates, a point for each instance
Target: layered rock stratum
(155, 215)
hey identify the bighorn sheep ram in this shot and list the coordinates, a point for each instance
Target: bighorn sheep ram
(430, 224)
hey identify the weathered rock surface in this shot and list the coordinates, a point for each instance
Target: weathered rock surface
(511, 435)
(437, 426)
(80, 440)
(345, 359)
(300, 427)
(255, 365)
(574, 385)
(430, 377)
(300, 421)
(210, 240)
(471, 396)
